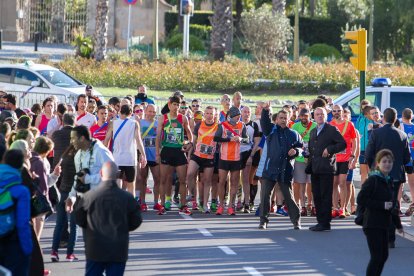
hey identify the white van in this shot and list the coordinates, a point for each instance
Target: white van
(32, 83)
(381, 94)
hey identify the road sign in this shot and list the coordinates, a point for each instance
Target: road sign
(131, 2)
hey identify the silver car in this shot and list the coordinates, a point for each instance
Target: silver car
(32, 83)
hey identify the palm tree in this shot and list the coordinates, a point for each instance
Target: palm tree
(101, 29)
(222, 33)
(278, 6)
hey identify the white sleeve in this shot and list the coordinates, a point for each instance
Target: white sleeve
(102, 155)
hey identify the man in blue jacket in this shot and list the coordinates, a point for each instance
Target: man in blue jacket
(283, 145)
(16, 248)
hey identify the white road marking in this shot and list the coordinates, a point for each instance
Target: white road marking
(252, 271)
(205, 232)
(291, 239)
(227, 250)
(187, 217)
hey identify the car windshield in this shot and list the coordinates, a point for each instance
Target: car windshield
(58, 78)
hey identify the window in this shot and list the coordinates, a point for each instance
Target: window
(401, 100)
(24, 77)
(354, 104)
(59, 78)
(5, 75)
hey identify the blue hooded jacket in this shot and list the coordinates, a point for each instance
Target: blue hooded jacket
(21, 196)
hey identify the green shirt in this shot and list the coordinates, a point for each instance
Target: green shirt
(173, 136)
(301, 130)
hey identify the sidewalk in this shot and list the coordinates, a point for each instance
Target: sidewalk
(25, 50)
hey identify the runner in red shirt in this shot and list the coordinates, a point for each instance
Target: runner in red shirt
(99, 130)
(344, 161)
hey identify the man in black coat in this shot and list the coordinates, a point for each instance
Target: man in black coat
(107, 214)
(325, 141)
(390, 137)
(283, 145)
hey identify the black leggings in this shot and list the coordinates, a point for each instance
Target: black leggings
(377, 240)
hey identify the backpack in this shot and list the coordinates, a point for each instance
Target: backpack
(7, 210)
(360, 211)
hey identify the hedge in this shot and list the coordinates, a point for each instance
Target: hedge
(311, 30)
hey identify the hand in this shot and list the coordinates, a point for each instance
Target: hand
(266, 105)
(401, 231)
(143, 160)
(187, 147)
(352, 163)
(249, 161)
(292, 152)
(387, 205)
(325, 153)
(57, 170)
(69, 205)
(236, 139)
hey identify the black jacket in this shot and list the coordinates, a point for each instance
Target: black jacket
(389, 137)
(61, 139)
(329, 138)
(375, 191)
(279, 165)
(107, 214)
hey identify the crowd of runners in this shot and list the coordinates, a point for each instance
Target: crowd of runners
(202, 158)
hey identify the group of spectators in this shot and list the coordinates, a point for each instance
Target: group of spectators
(208, 160)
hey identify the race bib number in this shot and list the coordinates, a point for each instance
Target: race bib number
(174, 135)
(149, 142)
(205, 149)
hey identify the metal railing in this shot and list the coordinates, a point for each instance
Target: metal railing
(27, 100)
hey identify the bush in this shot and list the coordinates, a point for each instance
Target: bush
(176, 42)
(83, 45)
(408, 59)
(199, 18)
(323, 51)
(266, 35)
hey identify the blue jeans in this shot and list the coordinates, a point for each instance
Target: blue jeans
(13, 258)
(111, 268)
(61, 218)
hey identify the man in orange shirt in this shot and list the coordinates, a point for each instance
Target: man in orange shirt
(230, 134)
(345, 161)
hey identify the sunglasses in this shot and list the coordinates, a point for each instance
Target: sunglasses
(184, 107)
(226, 100)
(374, 113)
(195, 105)
(138, 111)
(336, 110)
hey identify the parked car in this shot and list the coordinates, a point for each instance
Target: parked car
(382, 94)
(32, 83)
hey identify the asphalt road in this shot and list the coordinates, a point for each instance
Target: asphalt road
(214, 245)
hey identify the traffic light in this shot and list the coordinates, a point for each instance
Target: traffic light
(359, 60)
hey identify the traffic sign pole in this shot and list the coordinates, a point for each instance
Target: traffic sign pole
(129, 27)
(362, 85)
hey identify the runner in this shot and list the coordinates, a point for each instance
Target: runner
(230, 134)
(170, 152)
(126, 139)
(149, 127)
(301, 180)
(225, 103)
(99, 130)
(82, 116)
(203, 156)
(344, 161)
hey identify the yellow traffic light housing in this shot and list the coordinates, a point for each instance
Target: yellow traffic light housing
(359, 60)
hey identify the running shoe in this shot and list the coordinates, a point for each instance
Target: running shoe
(239, 206)
(251, 206)
(347, 213)
(213, 207)
(406, 198)
(281, 212)
(71, 258)
(246, 209)
(54, 256)
(313, 212)
(410, 210)
(220, 210)
(194, 205)
(157, 206)
(230, 211)
(341, 213)
(144, 207)
(176, 199)
(46, 272)
(304, 212)
(285, 208)
(185, 211)
(272, 208)
(257, 213)
(148, 190)
(335, 213)
(167, 206)
(162, 211)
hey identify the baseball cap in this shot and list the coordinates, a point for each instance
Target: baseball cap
(234, 111)
(178, 94)
(28, 111)
(88, 87)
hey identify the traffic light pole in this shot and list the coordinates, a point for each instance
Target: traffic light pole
(362, 85)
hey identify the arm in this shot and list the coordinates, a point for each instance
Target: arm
(140, 146)
(407, 154)
(187, 129)
(218, 136)
(365, 195)
(102, 156)
(195, 138)
(38, 120)
(134, 215)
(265, 122)
(108, 136)
(370, 150)
(160, 129)
(39, 169)
(339, 143)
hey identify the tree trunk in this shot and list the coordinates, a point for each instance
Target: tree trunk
(312, 7)
(239, 10)
(101, 29)
(222, 23)
(180, 18)
(302, 8)
(278, 6)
